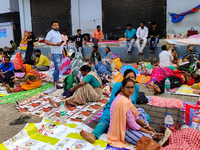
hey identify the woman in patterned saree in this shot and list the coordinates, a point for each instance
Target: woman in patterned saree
(157, 75)
(89, 89)
(31, 80)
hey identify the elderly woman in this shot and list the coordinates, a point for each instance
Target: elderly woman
(31, 80)
(87, 90)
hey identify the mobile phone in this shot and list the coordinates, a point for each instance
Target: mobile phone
(62, 42)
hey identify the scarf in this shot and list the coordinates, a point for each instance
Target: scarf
(18, 63)
(116, 135)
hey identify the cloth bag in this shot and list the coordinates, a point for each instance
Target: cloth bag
(118, 63)
(192, 31)
(146, 143)
(195, 123)
(189, 113)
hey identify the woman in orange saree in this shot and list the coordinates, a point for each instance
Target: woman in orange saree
(31, 80)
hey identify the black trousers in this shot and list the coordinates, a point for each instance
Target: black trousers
(174, 83)
(186, 66)
(7, 78)
(29, 52)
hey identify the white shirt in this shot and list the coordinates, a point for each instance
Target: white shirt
(165, 58)
(54, 37)
(142, 33)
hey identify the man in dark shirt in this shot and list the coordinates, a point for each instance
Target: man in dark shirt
(79, 41)
(153, 36)
(29, 50)
(191, 52)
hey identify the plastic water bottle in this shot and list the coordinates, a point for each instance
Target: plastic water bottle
(112, 83)
(106, 37)
(63, 117)
(167, 86)
(168, 120)
(74, 82)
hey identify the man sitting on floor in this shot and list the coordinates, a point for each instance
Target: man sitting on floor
(11, 50)
(6, 72)
(130, 38)
(41, 62)
(165, 57)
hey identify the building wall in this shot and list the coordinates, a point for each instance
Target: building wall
(43, 12)
(5, 40)
(117, 13)
(190, 20)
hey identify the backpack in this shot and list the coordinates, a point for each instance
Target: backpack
(142, 99)
(69, 80)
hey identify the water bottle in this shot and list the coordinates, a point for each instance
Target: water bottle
(106, 37)
(63, 117)
(74, 82)
(168, 120)
(112, 83)
(167, 86)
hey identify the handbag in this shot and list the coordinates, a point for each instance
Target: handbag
(192, 31)
(146, 143)
(141, 99)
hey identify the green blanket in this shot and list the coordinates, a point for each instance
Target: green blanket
(21, 95)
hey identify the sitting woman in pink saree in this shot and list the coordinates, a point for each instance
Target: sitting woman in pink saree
(157, 75)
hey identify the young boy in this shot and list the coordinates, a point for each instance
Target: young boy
(95, 56)
(79, 40)
(6, 72)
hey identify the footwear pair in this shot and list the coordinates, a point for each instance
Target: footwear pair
(20, 120)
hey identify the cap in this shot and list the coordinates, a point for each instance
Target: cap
(167, 78)
(168, 113)
(61, 103)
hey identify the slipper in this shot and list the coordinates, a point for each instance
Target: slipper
(23, 117)
(18, 121)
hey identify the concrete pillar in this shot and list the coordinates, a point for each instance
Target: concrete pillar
(25, 16)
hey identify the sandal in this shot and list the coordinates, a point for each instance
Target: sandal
(18, 121)
(23, 117)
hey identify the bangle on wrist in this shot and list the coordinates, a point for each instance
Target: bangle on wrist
(146, 126)
(152, 134)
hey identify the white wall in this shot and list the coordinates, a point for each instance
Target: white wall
(14, 5)
(4, 5)
(190, 20)
(5, 41)
(25, 16)
(86, 15)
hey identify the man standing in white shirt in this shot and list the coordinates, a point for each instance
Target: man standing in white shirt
(142, 33)
(54, 39)
(165, 57)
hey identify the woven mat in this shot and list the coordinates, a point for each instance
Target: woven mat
(24, 94)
